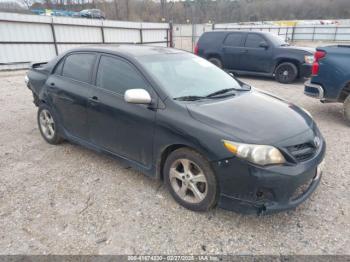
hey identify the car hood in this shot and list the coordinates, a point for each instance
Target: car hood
(253, 117)
(305, 49)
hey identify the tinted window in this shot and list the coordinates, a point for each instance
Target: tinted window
(254, 40)
(58, 69)
(79, 67)
(233, 39)
(118, 76)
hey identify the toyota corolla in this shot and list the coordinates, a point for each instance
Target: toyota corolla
(211, 138)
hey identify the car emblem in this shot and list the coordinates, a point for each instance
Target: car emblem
(317, 141)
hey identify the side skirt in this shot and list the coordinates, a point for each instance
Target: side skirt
(149, 171)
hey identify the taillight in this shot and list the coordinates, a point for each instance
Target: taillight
(316, 66)
(196, 49)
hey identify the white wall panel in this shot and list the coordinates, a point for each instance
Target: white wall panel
(29, 32)
(153, 35)
(76, 21)
(155, 25)
(124, 24)
(65, 47)
(87, 34)
(14, 53)
(121, 35)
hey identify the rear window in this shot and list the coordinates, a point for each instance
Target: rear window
(212, 38)
(234, 39)
(79, 67)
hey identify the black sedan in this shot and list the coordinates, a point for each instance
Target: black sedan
(213, 139)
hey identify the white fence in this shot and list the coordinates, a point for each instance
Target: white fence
(185, 36)
(30, 38)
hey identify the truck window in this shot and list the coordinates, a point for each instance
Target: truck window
(254, 40)
(234, 39)
(79, 67)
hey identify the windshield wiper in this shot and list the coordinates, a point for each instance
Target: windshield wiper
(189, 98)
(220, 92)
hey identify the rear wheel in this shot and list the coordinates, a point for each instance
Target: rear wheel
(215, 61)
(347, 109)
(190, 180)
(286, 73)
(48, 125)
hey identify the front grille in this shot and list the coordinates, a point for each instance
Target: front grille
(302, 152)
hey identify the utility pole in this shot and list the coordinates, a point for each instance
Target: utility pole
(127, 9)
(163, 10)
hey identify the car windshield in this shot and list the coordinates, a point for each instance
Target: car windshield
(276, 40)
(187, 75)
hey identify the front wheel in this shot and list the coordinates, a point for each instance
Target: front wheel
(48, 125)
(190, 180)
(286, 73)
(347, 110)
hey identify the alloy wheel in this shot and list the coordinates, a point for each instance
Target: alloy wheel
(47, 124)
(188, 181)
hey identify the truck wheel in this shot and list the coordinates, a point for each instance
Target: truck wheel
(216, 61)
(190, 180)
(347, 109)
(286, 73)
(48, 126)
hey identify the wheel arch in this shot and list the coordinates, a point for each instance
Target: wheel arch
(294, 61)
(164, 155)
(345, 92)
(213, 55)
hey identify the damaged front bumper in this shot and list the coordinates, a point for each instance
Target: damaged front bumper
(247, 188)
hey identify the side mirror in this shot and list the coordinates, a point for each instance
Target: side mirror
(264, 45)
(137, 96)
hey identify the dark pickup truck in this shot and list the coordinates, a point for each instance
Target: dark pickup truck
(330, 81)
(256, 53)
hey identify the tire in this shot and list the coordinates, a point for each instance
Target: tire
(347, 110)
(286, 73)
(215, 61)
(196, 189)
(47, 123)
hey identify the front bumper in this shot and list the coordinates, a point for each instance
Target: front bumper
(313, 90)
(247, 188)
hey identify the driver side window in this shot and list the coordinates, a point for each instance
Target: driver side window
(117, 75)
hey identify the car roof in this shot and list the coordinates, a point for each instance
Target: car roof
(239, 31)
(131, 50)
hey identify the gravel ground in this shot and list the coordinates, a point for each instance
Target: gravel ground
(69, 200)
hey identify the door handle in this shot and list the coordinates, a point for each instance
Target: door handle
(245, 51)
(94, 100)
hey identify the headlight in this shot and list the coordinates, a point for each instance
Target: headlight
(257, 154)
(309, 59)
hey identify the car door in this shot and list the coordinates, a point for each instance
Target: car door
(232, 49)
(257, 55)
(69, 88)
(115, 125)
